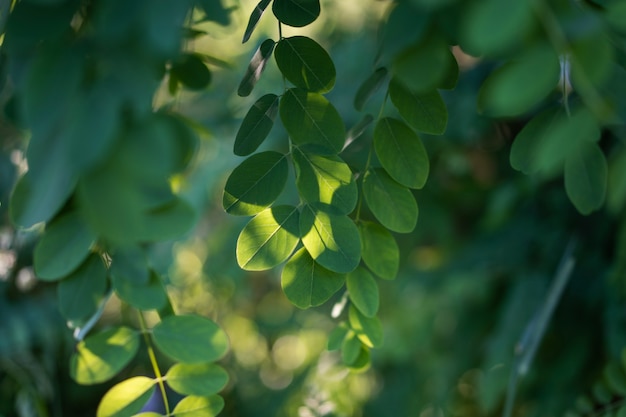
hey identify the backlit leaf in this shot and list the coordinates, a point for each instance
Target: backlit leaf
(586, 177)
(192, 72)
(269, 238)
(126, 398)
(255, 183)
(308, 284)
(391, 203)
(331, 239)
(310, 118)
(337, 336)
(363, 291)
(198, 379)
(350, 348)
(82, 291)
(379, 250)
(369, 87)
(149, 295)
(256, 125)
(100, 357)
(256, 67)
(190, 339)
(196, 406)
(368, 329)
(306, 64)
(296, 13)
(255, 16)
(425, 112)
(401, 152)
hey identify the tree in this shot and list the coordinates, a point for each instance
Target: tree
(108, 164)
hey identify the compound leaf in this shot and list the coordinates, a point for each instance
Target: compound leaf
(425, 112)
(379, 250)
(306, 64)
(256, 67)
(586, 174)
(256, 125)
(296, 13)
(197, 379)
(391, 203)
(126, 398)
(363, 291)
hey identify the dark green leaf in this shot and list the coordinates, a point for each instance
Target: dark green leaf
(130, 263)
(331, 239)
(150, 295)
(126, 398)
(255, 16)
(100, 357)
(616, 192)
(269, 238)
(191, 72)
(368, 329)
(325, 179)
(215, 11)
(296, 13)
(305, 63)
(256, 125)
(363, 291)
(586, 177)
(616, 16)
(308, 284)
(256, 67)
(310, 118)
(425, 112)
(526, 142)
(350, 349)
(379, 250)
(591, 59)
(255, 183)
(196, 406)
(615, 378)
(190, 339)
(82, 291)
(369, 87)
(359, 128)
(391, 203)
(401, 152)
(197, 379)
(63, 247)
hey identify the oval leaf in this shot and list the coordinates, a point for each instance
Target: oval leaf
(256, 67)
(586, 173)
(255, 16)
(325, 179)
(296, 13)
(100, 357)
(368, 329)
(191, 72)
(149, 295)
(204, 379)
(269, 239)
(131, 264)
(391, 203)
(425, 112)
(363, 291)
(401, 152)
(310, 118)
(306, 64)
(331, 239)
(350, 348)
(196, 406)
(256, 125)
(255, 183)
(82, 291)
(190, 339)
(63, 247)
(369, 87)
(126, 398)
(379, 250)
(308, 284)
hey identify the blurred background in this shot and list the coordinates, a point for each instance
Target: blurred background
(474, 273)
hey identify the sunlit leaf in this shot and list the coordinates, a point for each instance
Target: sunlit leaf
(82, 291)
(256, 125)
(255, 183)
(190, 339)
(269, 238)
(296, 13)
(256, 67)
(197, 406)
(191, 72)
(100, 357)
(305, 63)
(369, 87)
(362, 361)
(325, 179)
(255, 16)
(368, 329)
(331, 239)
(401, 152)
(126, 398)
(198, 379)
(379, 250)
(308, 284)
(63, 247)
(391, 203)
(425, 112)
(586, 174)
(363, 291)
(310, 118)
(148, 295)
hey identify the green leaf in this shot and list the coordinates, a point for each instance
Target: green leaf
(310, 118)
(202, 379)
(379, 250)
(586, 174)
(616, 16)
(401, 152)
(615, 378)
(325, 179)
(358, 129)
(256, 67)
(362, 361)
(190, 339)
(526, 142)
(363, 291)
(255, 16)
(126, 398)
(296, 13)
(308, 284)
(100, 357)
(592, 58)
(337, 336)
(82, 291)
(149, 295)
(368, 329)
(196, 406)
(520, 84)
(63, 247)
(391, 203)
(130, 264)
(255, 183)
(369, 87)
(306, 64)
(331, 239)
(191, 71)
(256, 125)
(616, 192)
(425, 112)
(269, 238)
(350, 349)
(215, 11)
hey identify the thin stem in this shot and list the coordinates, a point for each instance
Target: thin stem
(153, 361)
